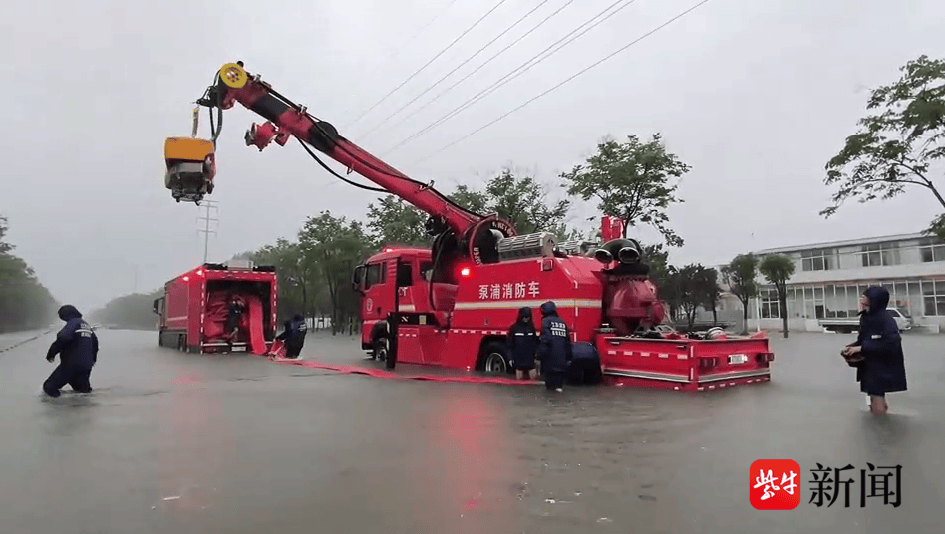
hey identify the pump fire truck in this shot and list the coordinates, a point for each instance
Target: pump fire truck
(452, 304)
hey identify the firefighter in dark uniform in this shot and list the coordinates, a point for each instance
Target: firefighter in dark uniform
(294, 336)
(522, 344)
(554, 347)
(234, 318)
(77, 347)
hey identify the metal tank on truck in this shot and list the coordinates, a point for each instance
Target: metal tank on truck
(452, 304)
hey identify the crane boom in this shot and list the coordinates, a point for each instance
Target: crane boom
(284, 119)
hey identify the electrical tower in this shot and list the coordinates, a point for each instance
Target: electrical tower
(206, 231)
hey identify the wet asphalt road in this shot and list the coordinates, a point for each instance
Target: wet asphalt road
(170, 442)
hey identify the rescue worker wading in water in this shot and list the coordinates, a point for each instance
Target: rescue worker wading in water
(77, 347)
(294, 336)
(522, 344)
(554, 347)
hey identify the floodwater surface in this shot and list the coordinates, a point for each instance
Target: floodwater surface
(172, 442)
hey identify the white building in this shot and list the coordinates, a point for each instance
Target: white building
(830, 277)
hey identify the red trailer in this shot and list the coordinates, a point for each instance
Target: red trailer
(192, 311)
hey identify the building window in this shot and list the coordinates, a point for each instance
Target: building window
(880, 254)
(934, 293)
(932, 250)
(770, 307)
(819, 260)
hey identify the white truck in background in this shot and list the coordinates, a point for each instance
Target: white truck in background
(846, 326)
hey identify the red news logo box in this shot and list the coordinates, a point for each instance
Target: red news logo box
(775, 484)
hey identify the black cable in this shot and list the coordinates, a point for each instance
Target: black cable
(329, 169)
(582, 71)
(518, 71)
(357, 157)
(421, 69)
(450, 73)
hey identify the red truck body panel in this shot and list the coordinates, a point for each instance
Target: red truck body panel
(189, 317)
(485, 304)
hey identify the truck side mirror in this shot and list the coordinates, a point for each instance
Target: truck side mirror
(357, 279)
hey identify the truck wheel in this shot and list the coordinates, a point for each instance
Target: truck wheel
(381, 347)
(494, 361)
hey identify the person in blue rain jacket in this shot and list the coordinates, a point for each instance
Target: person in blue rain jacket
(877, 352)
(294, 336)
(522, 344)
(77, 347)
(554, 346)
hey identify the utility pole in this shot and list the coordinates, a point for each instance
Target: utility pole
(206, 231)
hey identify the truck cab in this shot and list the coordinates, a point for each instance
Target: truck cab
(396, 279)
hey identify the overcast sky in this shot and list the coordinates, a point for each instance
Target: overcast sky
(756, 96)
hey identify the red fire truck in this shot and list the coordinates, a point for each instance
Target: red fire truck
(192, 311)
(452, 304)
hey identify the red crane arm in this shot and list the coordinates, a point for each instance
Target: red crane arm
(285, 118)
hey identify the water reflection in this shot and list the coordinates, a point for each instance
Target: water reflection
(192, 449)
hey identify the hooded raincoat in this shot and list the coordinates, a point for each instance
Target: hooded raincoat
(77, 347)
(554, 344)
(882, 369)
(522, 341)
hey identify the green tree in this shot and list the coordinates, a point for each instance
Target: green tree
(524, 202)
(778, 269)
(394, 221)
(631, 180)
(297, 277)
(740, 276)
(471, 199)
(707, 286)
(132, 312)
(25, 303)
(336, 245)
(658, 260)
(686, 291)
(896, 146)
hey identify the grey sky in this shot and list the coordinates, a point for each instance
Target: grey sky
(756, 96)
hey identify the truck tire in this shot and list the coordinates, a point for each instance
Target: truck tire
(494, 359)
(380, 349)
(181, 344)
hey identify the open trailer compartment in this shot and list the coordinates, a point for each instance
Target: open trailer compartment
(257, 328)
(684, 364)
(193, 310)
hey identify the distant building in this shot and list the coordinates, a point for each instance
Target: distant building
(830, 277)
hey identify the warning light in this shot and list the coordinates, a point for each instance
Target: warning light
(200, 272)
(186, 278)
(465, 271)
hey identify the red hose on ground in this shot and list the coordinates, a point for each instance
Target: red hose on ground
(278, 351)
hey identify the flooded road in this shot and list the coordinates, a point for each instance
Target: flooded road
(170, 442)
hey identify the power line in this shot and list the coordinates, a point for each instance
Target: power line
(470, 58)
(497, 54)
(418, 71)
(403, 46)
(582, 71)
(521, 69)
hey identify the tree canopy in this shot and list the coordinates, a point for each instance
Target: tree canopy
(778, 269)
(631, 180)
(739, 276)
(25, 304)
(896, 145)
